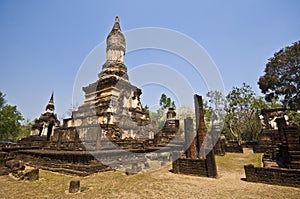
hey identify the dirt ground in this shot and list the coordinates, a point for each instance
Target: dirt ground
(157, 184)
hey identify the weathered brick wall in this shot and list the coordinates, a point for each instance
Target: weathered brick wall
(233, 147)
(260, 148)
(292, 135)
(189, 166)
(220, 147)
(211, 167)
(198, 167)
(3, 156)
(72, 163)
(65, 139)
(268, 139)
(278, 176)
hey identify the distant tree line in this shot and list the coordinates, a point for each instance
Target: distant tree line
(240, 108)
(281, 88)
(10, 122)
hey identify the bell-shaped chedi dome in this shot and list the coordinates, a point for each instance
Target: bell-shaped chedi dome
(115, 52)
(115, 39)
(115, 43)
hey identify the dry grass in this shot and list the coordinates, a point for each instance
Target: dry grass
(157, 184)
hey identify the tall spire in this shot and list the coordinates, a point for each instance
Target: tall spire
(115, 39)
(115, 44)
(115, 51)
(51, 98)
(50, 105)
(117, 24)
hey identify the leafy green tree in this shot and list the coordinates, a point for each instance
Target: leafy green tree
(282, 77)
(24, 130)
(2, 100)
(166, 102)
(10, 119)
(159, 116)
(216, 102)
(207, 113)
(242, 122)
(294, 117)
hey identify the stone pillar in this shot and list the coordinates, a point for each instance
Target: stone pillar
(200, 124)
(211, 167)
(281, 123)
(157, 138)
(190, 140)
(98, 141)
(59, 140)
(76, 140)
(74, 186)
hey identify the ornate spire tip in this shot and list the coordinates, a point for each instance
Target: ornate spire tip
(116, 25)
(51, 98)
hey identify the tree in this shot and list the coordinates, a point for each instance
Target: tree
(217, 102)
(282, 77)
(2, 100)
(10, 119)
(294, 117)
(160, 115)
(25, 130)
(242, 120)
(208, 113)
(166, 102)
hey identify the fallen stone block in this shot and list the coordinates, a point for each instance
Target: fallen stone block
(74, 186)
(15, 165)
(31, 175)
(4, 171)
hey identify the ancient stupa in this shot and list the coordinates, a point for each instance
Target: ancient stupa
(112, 104)
(47, 122)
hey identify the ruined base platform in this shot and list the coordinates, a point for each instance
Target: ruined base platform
(83, 163)
(233, 147)
(260, 148)
(80, 163)
(277, 176)
(198, 167)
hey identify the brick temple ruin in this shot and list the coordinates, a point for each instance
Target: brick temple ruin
(269, 137)
(111, 129)
(280, 143)
(111, 125)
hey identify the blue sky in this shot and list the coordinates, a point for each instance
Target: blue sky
(43, 43)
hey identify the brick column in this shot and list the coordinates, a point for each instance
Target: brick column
(210, 163)
(98, 141)
(76, 139)
(59, 140)
(190, 139)
(200, 124)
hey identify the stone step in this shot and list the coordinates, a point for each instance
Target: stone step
(72, 169)
(78, 167)
(294, 165)
(65, 171)
(295, 157)
(294, 152)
